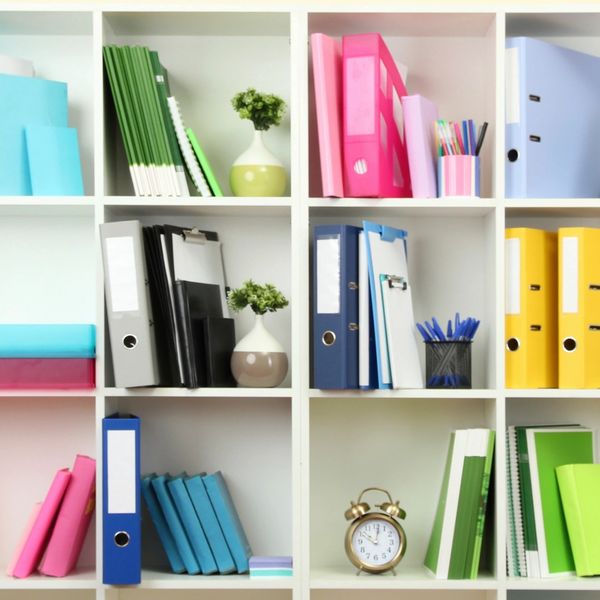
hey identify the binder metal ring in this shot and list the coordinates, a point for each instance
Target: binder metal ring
(122, 539)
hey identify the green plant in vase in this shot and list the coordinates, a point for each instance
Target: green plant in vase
(258, 359)
(257, 172)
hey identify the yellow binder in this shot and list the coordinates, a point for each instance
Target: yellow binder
(530, 319)
(579, 307)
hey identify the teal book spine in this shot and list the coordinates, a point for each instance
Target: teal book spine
(162, 529)
(210, 524)
(192, 526)
(229, 520)
(47, 341)
(159, 485)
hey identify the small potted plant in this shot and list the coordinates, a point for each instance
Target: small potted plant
(258, 360)
(257, 172)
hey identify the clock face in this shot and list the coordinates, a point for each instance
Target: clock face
(375, 542)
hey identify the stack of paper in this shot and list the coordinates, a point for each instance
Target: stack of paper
(271, 566)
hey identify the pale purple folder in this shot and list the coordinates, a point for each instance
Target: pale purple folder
(327, 72)
(419, 117)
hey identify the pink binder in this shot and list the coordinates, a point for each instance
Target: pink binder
(420, 115)
(72, 521)
(327, 75)
(47, 373)
(375, 161)
(38, 536)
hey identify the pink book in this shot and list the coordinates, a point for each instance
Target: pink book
(26, 533)
(33, 548)
(47, 373)
(327, 73)
(72, 521)
(420, 115)
(375, 161)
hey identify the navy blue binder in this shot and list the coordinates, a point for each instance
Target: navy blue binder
(121, 520)
(335, 307)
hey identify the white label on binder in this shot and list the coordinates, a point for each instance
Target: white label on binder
(120, 256)
(328, 275)
(120, 469)
(512, 96)
(570, 274)
(513, 276)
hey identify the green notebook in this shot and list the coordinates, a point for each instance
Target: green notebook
(549, 448)
(204, 164)
(580, 494)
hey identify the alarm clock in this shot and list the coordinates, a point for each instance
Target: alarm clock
(375, 541)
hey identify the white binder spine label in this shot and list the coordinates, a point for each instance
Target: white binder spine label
(328, 275)
(121, 477)
(513, 112)
(513, 276)
(120, 256)
(570, 275)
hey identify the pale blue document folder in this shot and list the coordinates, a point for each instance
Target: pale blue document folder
(47, 340)
(25, 101)
(552, 121)
(54, 165)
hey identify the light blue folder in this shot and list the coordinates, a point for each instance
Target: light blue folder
(47, 341)
(25, 101)
(54, 165)
(552, 121)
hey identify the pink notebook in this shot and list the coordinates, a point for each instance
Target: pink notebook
(38, 536)
(375, 161)
(72, 521)
(327, 74)
(420, 115)
(47, 373)
(26, 533)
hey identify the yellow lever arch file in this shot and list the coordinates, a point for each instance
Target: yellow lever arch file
(531, 323)
(579, 307)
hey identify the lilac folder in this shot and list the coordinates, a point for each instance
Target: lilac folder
(419, 117)
(327, 73)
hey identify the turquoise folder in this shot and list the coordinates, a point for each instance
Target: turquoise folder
(54, 165)
(25, 101)
(47, 341)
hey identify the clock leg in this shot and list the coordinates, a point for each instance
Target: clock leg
(394, 572)
(359, 572)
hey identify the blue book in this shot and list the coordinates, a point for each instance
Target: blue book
(191, 524)
(162, 529)
(25, 101)
(54, 165)
(210, 524)
(229, 520)
(159, 485)
(47, 341)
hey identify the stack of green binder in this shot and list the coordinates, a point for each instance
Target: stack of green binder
(140, 89)
(455, 544)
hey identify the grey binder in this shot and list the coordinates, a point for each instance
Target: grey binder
(128, 305)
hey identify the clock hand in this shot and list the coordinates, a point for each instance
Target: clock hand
(367, 536)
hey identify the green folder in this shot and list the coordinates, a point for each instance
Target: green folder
(580, 494)
(204, 164)
(549, 448)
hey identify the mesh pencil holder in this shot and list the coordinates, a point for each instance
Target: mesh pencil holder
(448, 364)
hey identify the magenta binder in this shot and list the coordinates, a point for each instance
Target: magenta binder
(327, 75)
(375, 160)
(47, 373)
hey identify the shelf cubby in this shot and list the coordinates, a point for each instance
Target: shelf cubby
(388, 594)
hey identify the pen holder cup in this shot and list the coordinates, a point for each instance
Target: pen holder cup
(458, 175)
(448, 364)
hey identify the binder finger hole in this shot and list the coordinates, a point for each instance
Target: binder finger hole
(328, 338)
(121, 539)
(569, 344)
(130, 341)
(513, 344)
(513, 155)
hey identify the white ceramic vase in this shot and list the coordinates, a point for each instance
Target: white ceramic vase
(258, 359)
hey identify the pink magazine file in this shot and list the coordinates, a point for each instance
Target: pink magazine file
(327, 76)
(375, 161)
(47, 373)
(72, 521)
(420, 115)
(33, 547)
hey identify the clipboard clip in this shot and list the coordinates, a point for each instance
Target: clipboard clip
(396, 281)
(194, 235)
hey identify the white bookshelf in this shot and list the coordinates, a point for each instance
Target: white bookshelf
(291, 454)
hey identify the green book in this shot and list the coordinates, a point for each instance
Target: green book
(549, 448)
(579, 487)
(204, 164)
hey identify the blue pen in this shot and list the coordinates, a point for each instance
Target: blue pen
(449, 330)
(424, 333)
(456, 322)
(466, 138)
(438, 330)
(430, 330)
(475, 328)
